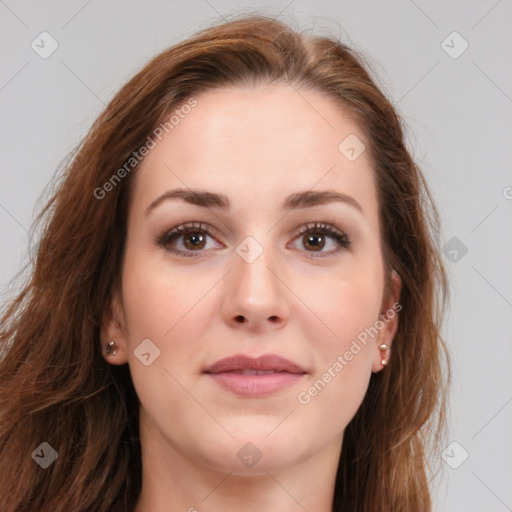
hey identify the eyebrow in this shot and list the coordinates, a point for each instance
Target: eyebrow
(297, 200)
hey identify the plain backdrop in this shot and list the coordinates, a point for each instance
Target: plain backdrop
(447, 68)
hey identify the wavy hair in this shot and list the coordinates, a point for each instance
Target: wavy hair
(55, 385)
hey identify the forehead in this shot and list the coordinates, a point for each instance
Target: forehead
(260, 142)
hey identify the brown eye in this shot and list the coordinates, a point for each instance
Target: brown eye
(194, 241)
(319, 240)
(314, 242)
(188, 240)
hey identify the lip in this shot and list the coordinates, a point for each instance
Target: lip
(238, 374)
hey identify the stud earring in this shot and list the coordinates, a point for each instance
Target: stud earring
(111, 348)
(383, 348)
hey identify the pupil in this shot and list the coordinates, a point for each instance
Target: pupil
(195, 240)
(315, 241)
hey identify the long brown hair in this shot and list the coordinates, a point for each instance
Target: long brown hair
(55, 386)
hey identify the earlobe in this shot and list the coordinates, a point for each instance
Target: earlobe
(111, 348)
(383, 354)
(389, 322)
(112, 334)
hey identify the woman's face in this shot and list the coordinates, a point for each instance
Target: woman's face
(278, 256)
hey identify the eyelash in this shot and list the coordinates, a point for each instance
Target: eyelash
(316, 228)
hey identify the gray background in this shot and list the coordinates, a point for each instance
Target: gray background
(458, 111)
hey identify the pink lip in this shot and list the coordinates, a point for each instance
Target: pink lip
(229, 374)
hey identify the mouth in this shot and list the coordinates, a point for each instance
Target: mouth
(255, 377)
(248, 371)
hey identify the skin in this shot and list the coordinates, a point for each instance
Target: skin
(256, 145)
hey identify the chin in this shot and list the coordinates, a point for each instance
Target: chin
(252, 450)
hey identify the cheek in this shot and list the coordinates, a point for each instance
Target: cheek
(347, 307)
(343, 362)
(345, 304)
(175, 309)
(335, 394)
(157, 299)
(162, 305)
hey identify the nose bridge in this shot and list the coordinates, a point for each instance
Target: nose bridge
(256, 295)
(254, 278)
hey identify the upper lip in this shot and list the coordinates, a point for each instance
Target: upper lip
(265, 362)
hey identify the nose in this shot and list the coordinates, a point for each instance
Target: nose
(255, 298)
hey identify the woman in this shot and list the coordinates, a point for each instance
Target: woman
(237, 296)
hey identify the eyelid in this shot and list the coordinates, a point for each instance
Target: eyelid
(188, 227)
(320, 226)
(343, 241)
(182, 229)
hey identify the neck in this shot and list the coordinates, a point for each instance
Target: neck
(173, 482)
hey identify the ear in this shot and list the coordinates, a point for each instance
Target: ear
(113, 329)
(388, 324)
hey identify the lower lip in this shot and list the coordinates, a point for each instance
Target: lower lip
(255, 385)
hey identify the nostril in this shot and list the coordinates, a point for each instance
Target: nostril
(240, 319)
(273, 318)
